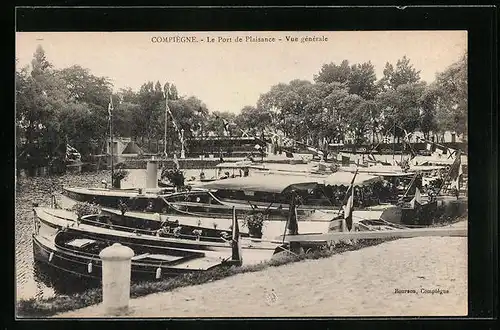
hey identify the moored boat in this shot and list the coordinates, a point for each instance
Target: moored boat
(50, 221)
(320, 198)
(141, 197)
(70, 252)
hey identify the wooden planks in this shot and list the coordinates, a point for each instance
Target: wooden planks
(398, 233)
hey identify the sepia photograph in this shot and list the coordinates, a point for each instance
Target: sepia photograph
(241, 174)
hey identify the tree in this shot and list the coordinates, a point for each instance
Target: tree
(123, 119)
(362, 79)
(92, 93)
(254, 120)
(358, 120)
(78, 128)
(453, 97)
(400, 109)
(85, 87)
(332, 72)
(331, 119)
(403, 73)
(150, 120)
(428, 101)
(287, 104)
(39, 98)
(216, 124)
(128, 95)
(189, 115)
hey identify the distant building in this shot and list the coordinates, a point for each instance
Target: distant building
(123, 146)
(225, 146)
(445, 137)
(415, 137)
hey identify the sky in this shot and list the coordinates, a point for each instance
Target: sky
(228, 75)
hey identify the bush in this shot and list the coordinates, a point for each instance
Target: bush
(176, 177)
(120, 174)
(254, 222)
(82, 209)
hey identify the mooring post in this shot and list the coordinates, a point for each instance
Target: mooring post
(152, 174)
(116, 271)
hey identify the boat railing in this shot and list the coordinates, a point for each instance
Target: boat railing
(149, 232)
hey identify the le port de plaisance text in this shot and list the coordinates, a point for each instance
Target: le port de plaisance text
(235, 39)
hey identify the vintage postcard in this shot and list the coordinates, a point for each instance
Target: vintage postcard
(241, 174)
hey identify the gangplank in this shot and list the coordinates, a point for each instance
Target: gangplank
(397, 233)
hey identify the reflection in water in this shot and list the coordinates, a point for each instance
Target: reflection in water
(60, 282)
(32, 280)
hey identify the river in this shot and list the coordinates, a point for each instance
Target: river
(30, 281)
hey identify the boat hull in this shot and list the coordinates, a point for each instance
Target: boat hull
(134, 199)
(77, 265)
(273, 213)
(254, 250)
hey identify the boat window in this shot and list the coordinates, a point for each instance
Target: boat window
(263, 196)
(80, 242)
(198, 198)
(177, 198)
(231, 194)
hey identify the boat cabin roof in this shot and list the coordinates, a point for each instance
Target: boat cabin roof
(237, 165)
(380, 171)
(344, 179)
(283, 183)
(426, 168)
(273, 184)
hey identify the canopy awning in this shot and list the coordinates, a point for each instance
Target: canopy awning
(426, 168)
(236, 165)
(345, 178)
(282, 183)
(267, 183)
(384, 171)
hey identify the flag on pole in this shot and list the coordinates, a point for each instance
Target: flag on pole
(349, 206)
(456, 170)
(457, 181)
(244, 132)
(72, 153)
(236, 254)
(175, 124)
(226, 126)
(451, 152)
(166, 90)
(407, 136)
(110, 106)
(292, 224)
(417, 199)
(176, 162)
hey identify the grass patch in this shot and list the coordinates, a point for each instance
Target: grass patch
(36, 308)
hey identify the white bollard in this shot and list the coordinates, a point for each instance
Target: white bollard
(116, 271)
(152, 174)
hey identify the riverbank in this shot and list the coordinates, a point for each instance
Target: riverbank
(64, 303)
(350, 284)
(39, 190)
(423, 276)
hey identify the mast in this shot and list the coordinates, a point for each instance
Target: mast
(110, 109)
(165, 94)
(394, 141)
